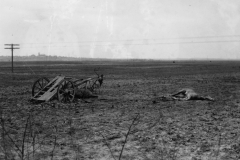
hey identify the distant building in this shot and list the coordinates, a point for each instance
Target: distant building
(41, 55)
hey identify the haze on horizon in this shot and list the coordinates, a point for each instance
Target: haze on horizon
(144, 29)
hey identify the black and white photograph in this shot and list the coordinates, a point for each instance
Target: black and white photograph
(120, 80)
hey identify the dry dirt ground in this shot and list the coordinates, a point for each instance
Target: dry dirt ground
(128, 120)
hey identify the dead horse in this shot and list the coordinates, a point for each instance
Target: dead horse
(84, 93)
(189, 94)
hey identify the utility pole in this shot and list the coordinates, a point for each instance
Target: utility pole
(12, 48)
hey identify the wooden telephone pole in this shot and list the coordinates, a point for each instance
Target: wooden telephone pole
(12, 48)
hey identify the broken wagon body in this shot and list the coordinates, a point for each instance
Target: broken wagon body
(62, 87)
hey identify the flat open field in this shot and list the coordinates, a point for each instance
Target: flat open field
(128, 120)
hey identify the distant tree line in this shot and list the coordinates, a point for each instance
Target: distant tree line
(40, 57)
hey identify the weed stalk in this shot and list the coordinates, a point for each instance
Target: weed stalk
(125, 141)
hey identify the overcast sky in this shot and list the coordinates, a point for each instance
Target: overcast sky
(151, 29)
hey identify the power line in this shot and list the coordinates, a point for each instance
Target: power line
(131, 40)
(129, 44)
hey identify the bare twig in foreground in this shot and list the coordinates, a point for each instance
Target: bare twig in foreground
(129, 129)
(105, 140)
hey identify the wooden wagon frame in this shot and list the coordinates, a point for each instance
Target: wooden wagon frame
(63, 88)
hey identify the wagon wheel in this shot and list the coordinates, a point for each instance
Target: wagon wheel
(39, 84)
(66, 91)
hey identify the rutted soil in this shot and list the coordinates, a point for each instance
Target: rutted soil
(128, 106)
